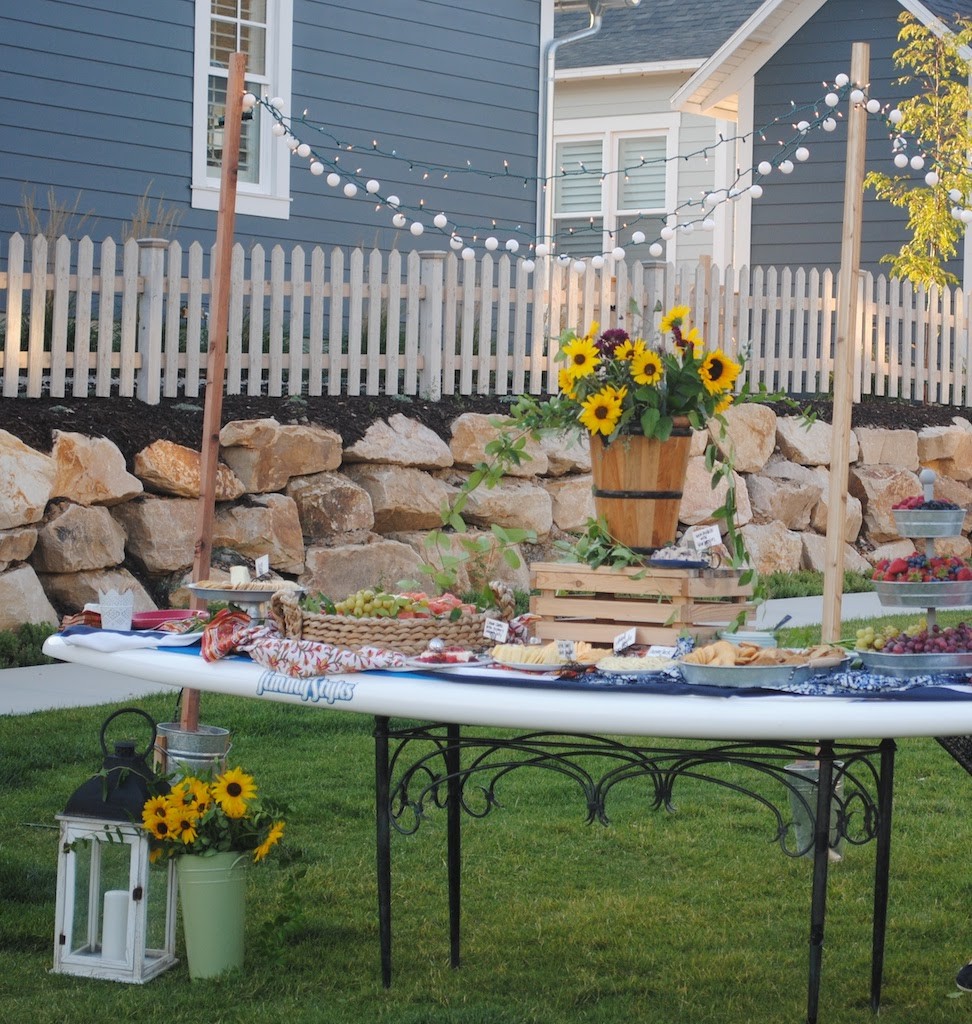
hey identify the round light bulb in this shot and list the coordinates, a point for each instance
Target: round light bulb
(303, 150)
(440, 220)
(417, 228)
(393, 201)
(293, 142)
(637, 237)
(857, 96)
(278, 129)
(597, 262)
(708, 224)
(900, 159)
(468, 254)
(667, 233)
(709, 200)
(687, 229)
(917, 162)
(955, 195)
(831, 99)
(455, 242)
(563, 259)
(578, 267)
(756, 190)
(895, 116)
(802, 153)
(764, 167)
(399, 220)
(873, 105)
(931, 179)
(249, 101)
(841, 80)
(617, 253)
(350, 190)
(542, 250)
(828, 124)
(786, 166)
(528, 265)
(656, 249)
(966, 216)
(372, 186)
(512, 245)
(317, 167)
(803, 127)
(334, 179)
(492, 244)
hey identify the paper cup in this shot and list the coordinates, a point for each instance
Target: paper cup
(116, 609)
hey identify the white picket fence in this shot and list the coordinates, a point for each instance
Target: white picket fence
(103, 320)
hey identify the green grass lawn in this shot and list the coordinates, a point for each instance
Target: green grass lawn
(694, 917)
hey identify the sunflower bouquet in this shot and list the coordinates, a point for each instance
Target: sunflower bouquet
(219, 815)
(613, 384)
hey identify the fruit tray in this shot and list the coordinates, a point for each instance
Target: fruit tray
(943, 594)
(903, 666)
(946, 522)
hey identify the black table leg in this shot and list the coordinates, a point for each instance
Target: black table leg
(882, 865)
(454, 840)
(821, 858)
(383, 847)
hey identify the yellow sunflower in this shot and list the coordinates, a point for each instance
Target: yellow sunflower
(154, 810)
(232, 789)
(566, 382)
(582, 357)
(693, 338)
(674, 318)
(159, 828)
(601, 412)
(723, 403)
(718, 372)
(182, 820)
(625, 350)
(273, 837)
(646, 367)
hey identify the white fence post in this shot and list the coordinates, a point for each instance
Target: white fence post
(151, 268)
(430, 325)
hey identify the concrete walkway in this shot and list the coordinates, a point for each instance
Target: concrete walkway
(43, 687)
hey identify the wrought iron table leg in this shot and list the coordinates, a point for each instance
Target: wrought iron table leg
(882, 865)
(383, 847)
(454, 840)
(821, 858)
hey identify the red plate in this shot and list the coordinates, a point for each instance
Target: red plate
(152, 620)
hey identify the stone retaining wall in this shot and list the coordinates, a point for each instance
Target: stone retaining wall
(76, 521)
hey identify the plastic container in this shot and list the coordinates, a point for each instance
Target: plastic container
(759, 637)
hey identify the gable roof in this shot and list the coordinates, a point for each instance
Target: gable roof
(654, 32)
(766, 30)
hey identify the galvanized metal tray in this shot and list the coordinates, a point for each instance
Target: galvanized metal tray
(946, 594)
(745, 676)
(903, 666)
(932, 522)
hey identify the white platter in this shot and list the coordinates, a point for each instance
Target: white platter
(235, 596)
(417, 665)
(517, 666)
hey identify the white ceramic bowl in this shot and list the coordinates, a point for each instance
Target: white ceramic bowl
(759, 637)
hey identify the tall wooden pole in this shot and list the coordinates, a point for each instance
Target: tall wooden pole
(216, 366)
(847, 323)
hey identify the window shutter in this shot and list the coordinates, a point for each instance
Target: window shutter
(641, 185)
(578, 183)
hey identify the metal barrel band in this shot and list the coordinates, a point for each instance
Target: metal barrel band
(600, 492)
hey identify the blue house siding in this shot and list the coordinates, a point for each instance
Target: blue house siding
(798, 220)
(97, 104)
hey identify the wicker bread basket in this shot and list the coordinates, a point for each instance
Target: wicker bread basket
(408, 636)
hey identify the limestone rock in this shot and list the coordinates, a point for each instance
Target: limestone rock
(346, 568)
(567, 452)
(402, 498)
(400, 442)
(267, 524)
(958, 465)
(936, 443)
(511, 503)
(788, 501)
(16, 545)
(699, 443)
(781, 468)
(815, 555)
(26, 481)
(22, 599)
(959, 547)
(879, 488)
(330, 503)
(91, 471)
(161, 531)
(472, 431)
(750, 436)
(960, 493)
(810, 445)
(74, 538)
(71, 591)
(853, 513)
(893, 549)
(882, 447)
(265, 455)
(700, 500)
(572, 502)
(772, 547)
(169, 468)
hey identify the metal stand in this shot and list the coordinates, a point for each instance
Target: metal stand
(433, 765)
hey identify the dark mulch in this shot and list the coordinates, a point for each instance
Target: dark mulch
(132, 424)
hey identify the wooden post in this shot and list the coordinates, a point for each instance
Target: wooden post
(845, 342)
(216, 366)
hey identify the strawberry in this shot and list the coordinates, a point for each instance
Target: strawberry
(965, 573)
(899, 565)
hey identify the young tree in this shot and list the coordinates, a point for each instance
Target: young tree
(938, 118)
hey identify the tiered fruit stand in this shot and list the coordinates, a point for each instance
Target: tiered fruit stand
(927, 524)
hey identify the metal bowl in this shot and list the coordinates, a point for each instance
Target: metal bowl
(903, 666)
(933, 522)
(945, 594)
(737, 676)
(758, 637)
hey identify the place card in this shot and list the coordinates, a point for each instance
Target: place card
(262, 566)
(565, 650)
(496, 630)
(706, 537)
(662, 651)
(624, 640)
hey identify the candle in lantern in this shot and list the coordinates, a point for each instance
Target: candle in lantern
(114, 925)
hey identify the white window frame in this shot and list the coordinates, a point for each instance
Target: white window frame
(611, 130)
(270, 197)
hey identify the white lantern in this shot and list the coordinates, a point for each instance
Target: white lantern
(115, 914)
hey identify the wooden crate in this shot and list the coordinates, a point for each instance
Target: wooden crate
(576, 602)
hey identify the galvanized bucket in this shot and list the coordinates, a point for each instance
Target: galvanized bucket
(804, 779)
(199, 752)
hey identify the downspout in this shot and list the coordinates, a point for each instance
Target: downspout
(544, 188)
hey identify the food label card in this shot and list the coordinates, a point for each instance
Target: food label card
(662, 651)
(624, 640)
(565, 649)
(706, 537)
(496, 630)
(262, 565)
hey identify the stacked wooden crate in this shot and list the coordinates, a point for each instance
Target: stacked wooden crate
(576, 602)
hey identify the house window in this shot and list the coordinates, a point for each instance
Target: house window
(263, 30)
(605, 183)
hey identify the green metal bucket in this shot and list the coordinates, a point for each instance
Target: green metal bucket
(804, 778)
(200, 751)
(212, 896)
